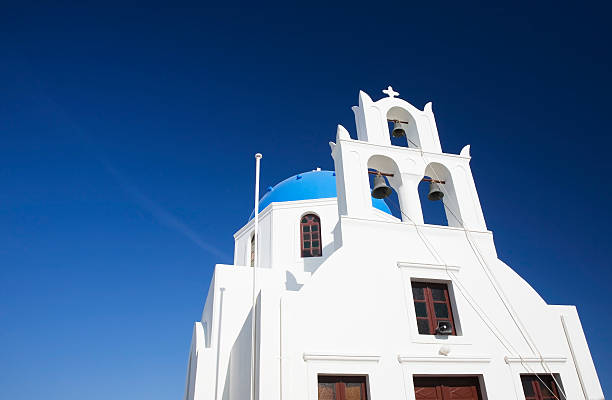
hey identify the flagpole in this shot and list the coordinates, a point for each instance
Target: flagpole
(255, 265)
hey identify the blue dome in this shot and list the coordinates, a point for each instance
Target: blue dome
(307, 186)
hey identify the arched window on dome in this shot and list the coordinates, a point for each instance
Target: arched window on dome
(310, 234)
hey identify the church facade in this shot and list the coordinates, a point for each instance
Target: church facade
(354, 303)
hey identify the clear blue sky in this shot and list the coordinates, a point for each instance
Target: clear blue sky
(126, 160)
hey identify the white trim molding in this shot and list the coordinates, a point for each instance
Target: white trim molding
(539, 360)
(452, 268)
(434, 359)
(339, 357)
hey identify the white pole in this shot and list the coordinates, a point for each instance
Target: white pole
(255, 265)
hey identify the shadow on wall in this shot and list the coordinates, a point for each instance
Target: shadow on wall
(291, 283)
(238, 378)
(311, 264)
(226, 388)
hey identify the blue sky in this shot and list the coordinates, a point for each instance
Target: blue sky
(126, 161)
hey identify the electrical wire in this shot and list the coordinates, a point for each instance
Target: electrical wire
(491, 278)
(482, 261)
(489, 273)
(509, 348)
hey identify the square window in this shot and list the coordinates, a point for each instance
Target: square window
(540, 387)
(432, 306)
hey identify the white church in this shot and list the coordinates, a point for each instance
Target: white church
(338, 299)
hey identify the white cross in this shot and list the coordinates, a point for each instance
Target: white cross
(390, 92)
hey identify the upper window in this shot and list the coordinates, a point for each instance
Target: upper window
(540, 387)
(310, 231)
(433, 308)
(342, 388)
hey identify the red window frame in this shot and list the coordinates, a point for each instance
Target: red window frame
(540, 387)
(310, 235)
(340, 382)
(431, 299)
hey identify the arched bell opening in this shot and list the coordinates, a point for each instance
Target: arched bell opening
(383, 196)
(384, 180)
(438, 197)
(402, 128)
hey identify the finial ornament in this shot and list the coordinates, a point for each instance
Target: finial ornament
(390, 92)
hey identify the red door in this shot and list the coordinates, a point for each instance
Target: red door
(446, 388)
(342, 388)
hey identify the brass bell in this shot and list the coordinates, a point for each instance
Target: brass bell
(435, 191)
(398, 129)
(380, 190)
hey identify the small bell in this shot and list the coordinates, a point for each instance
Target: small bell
(380, 190)
(398, 129)
(435, 191)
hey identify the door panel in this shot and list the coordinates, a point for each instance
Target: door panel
(428, 393)
(460, 393)
(353, 391)
(327, 391)
(446, 388)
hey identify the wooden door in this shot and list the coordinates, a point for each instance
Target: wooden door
(342, 388)
(446, 388)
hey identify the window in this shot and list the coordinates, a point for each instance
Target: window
(310, 231)
(447, 388)
(540, 387)
(342, 388)
(252, 250)
(432, 306)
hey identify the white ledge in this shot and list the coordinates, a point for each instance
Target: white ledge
(402, 148)
(553, 359)
(339, 357)
(413, 225)
(404, 264)
(434, 359)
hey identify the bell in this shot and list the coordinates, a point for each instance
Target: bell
(380, 190)
(435, 191)
(398, 129)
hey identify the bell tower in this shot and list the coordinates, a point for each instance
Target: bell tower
(404, 167)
